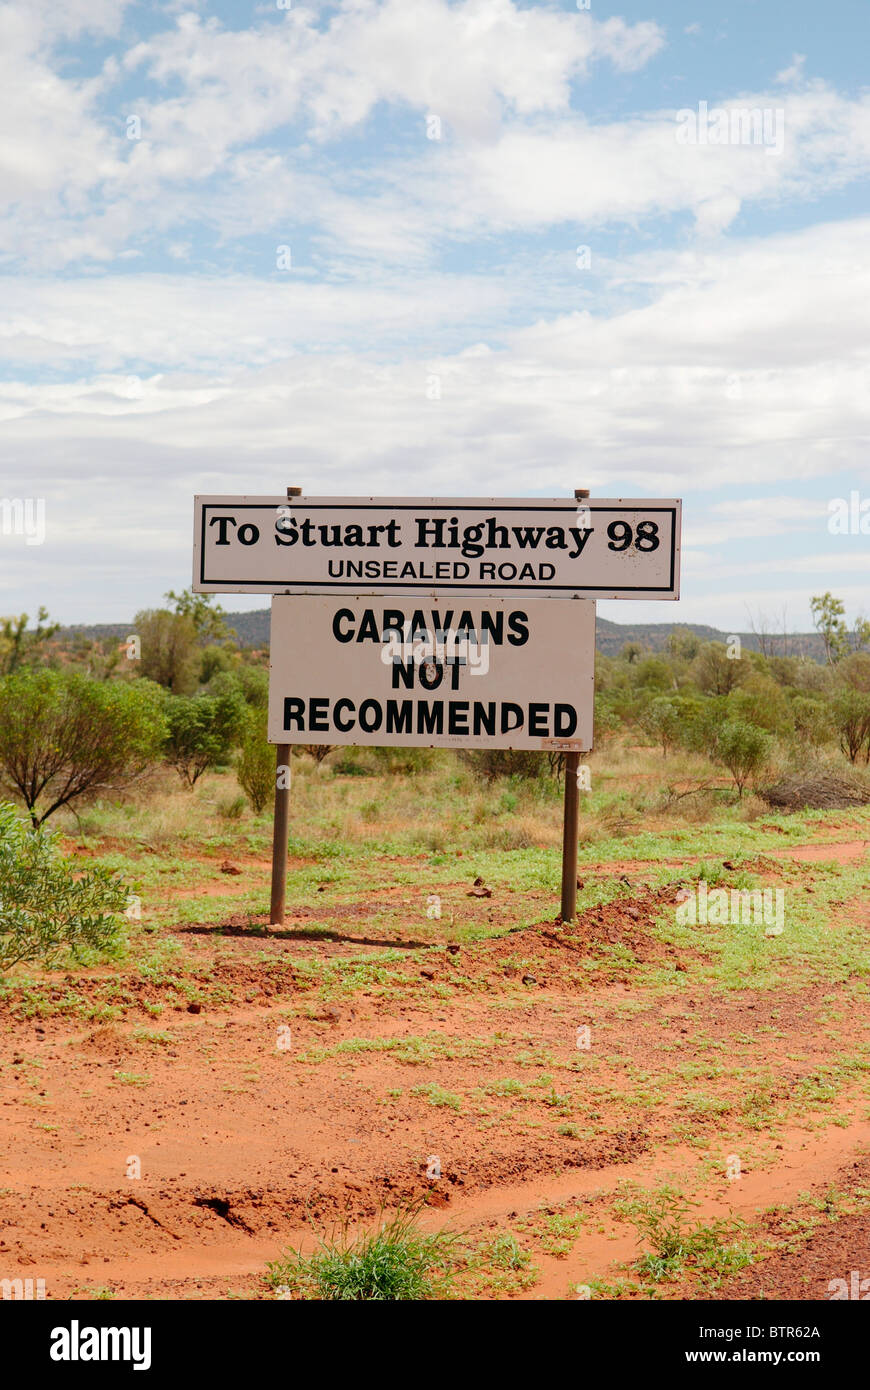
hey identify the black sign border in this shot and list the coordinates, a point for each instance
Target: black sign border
(402, 586)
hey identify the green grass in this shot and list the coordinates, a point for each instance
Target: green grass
(396, 1262)
(437, 1096)
(679, 1247)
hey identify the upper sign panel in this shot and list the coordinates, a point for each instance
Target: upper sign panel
(556, 548)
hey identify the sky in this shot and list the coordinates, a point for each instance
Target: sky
(402, 247)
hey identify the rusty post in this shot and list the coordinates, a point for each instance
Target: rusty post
(571, 814)
(281, 823)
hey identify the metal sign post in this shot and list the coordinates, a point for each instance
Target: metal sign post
(569, 838)
(280, 834)
(281, 823)
(571, 811)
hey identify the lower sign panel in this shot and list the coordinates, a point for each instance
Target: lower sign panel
(494, 673)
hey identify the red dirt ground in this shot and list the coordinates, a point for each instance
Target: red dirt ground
(243, 1145)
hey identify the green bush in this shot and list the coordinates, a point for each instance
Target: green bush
(606, 721)
(702, 723)
(851, 715)
(202, 731)
(742, 748)
(662, 720)
(251, 683)
(255, 764)
(653, 673)
(760, 701)
(64, 736)
(812, 721)
(47, 905)
(714, 672)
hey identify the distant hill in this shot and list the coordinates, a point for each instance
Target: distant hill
(610, 638)
(253, 631)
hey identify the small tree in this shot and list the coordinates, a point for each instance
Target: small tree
(855, 671)
(662, 720)
(851, 715)
(170, 652)
(208, 617)
(829, 619)
(255, 764)
(714, 672)
(48, 903)
(812, 720)
(20, 645)
(682, 644)
(742, 748)
(202, 731)
(64, 736)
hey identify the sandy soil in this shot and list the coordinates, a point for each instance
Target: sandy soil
(245, 1138)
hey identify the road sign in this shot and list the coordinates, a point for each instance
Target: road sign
(498, 673)
(552, 548)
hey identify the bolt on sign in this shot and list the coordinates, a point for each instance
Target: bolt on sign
(426, 672)
(552, 548)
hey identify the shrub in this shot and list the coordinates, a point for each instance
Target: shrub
(407, 760)
(170, 654)
(46, 904)
(662, 720)
(703, 719)
(64, 736)
(812, 721)
(251, 683)
(606, 721)
(215, 661)
(714, 672)
(318, 751)
(231, 807)
(201, 732)
(653, 673)
(742, 748)
(855, 671)
(851, 715)
(490, 763)
(760, 701)
(255, 764)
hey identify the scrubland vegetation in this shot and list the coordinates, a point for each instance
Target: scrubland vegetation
(429, 994)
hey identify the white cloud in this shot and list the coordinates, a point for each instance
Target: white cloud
(735, 376)
(467, 62)
(238, 147)
(198, 322)
(51, 146)
(794, 72)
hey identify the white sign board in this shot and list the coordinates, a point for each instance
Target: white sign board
(554, 548)
(493, 674)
